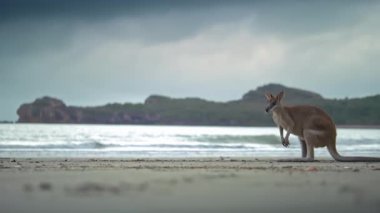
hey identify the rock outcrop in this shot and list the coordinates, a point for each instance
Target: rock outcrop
(44, 110)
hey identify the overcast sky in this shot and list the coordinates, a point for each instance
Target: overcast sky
(98, 51)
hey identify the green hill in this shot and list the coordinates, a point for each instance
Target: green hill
(246, 111)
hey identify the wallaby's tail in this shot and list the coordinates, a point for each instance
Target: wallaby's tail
(334, 153)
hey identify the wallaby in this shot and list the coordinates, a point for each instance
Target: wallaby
(312, 125)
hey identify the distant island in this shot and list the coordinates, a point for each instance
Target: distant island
(6, 122)
(157, 109)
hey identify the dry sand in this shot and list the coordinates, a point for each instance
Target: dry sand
(187, 185)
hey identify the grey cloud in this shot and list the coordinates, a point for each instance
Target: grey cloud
(43, 24)
(31, 26)
(299, 18)
(92, 52)
(96, 10)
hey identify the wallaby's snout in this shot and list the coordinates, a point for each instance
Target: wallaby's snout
(267, 109)
(271, 105)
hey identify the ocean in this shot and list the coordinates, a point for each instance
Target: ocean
(134, 141)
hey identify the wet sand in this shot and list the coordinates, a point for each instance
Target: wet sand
(187, 185)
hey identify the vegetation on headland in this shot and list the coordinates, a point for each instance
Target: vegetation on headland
(6, 122)
(247, 111)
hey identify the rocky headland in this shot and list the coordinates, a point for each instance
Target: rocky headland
(157, 109)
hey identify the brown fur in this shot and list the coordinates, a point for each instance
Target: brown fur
(312, 125)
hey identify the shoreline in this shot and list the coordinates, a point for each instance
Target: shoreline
(228, 163)
(354, 126)
(358, 126)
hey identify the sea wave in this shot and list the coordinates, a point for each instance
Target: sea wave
(167, 141)
(86, 145)
(258, 139)
(177, 141)
(203, 141)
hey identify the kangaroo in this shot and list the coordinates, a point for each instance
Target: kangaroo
(312, 125)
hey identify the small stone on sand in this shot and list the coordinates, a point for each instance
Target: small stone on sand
(45, 186)
(311, 169)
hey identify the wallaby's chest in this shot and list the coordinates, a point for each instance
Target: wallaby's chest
(281, 120)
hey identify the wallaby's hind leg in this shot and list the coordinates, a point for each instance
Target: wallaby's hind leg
(310, 151)
(303, 147)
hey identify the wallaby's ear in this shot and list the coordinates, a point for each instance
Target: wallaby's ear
(268, 96)
(280, 95)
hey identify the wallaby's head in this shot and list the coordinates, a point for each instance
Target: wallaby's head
(273, 101)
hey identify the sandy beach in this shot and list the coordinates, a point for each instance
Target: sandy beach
(187, 185)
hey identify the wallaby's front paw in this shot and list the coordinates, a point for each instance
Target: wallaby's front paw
(285, 143)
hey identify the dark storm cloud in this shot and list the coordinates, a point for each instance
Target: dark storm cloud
(43, 24)
(101, 9)
(279, 15)
(83, 9)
